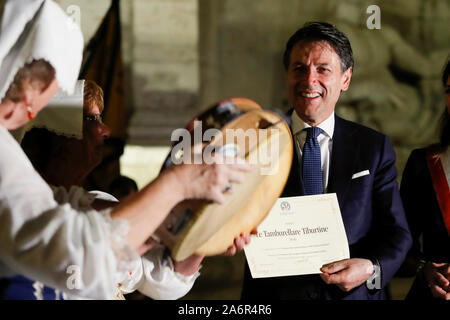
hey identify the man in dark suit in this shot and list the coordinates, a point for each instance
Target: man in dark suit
(353, 161)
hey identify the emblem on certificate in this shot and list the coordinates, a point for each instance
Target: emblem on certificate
(298, 236)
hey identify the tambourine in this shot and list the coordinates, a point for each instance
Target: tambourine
(241, 128)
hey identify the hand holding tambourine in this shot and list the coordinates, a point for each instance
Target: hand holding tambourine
(235, 129)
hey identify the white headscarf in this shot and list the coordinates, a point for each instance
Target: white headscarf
(39, 29)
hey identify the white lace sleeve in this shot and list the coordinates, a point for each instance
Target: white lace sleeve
(80, 199)
(126, 256)
(157, 279)
(81, 253)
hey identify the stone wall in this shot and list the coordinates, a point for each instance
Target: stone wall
(395, 86)
(160, 50)
(165, 68)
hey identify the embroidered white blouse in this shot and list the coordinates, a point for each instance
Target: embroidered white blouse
(150, 274)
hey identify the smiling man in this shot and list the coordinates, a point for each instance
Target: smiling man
(333, 155)
(315, 79)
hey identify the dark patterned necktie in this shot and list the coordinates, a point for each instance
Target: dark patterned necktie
(312, 171)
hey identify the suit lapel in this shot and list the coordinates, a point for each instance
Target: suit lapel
(343, 158)
(294, 185)
(343, 162)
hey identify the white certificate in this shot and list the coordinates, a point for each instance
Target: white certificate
(298, 236)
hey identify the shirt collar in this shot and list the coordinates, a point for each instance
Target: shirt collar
(327, 125)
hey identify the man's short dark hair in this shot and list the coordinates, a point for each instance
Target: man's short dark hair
(321, 31)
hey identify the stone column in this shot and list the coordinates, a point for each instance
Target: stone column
(165, 68)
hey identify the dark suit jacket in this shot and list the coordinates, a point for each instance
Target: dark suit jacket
(371, 209)
(424, 217)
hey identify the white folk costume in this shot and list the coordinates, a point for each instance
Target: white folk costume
(151, 274)
(67, 250)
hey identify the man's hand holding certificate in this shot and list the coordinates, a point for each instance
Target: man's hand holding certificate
(299, 236)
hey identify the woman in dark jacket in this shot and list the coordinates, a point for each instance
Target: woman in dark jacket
(426, 198)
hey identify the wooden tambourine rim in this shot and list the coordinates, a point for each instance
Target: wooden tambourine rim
(248, 223)
(178, 251)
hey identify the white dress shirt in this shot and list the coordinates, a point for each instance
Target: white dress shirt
(325, 140)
